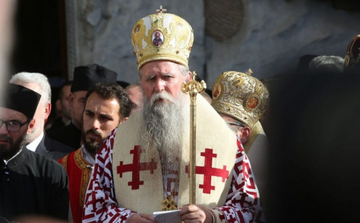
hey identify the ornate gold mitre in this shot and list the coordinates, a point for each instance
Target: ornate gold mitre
(162, 36)
(240, 96)
(352, 57)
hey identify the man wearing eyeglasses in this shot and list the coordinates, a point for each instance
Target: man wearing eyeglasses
(30, 184)
(241, 100)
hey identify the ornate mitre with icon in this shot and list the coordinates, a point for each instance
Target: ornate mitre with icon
(243, 97)
(240, 96)
(162, 36)
(352, 57)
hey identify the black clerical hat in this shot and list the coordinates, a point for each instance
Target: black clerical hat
(87, 76)
(20, 99)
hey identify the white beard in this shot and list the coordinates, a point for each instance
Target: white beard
(164, 125)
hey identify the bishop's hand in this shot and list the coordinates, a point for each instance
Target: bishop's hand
(193, 213)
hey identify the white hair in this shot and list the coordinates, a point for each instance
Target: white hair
(40, 79)
(184, 70)
(325, 63)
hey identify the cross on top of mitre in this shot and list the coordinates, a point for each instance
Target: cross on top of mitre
(160, 10)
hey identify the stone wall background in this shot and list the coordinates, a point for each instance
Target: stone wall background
(272, 37)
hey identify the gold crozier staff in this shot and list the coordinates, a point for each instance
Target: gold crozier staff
(193, 88)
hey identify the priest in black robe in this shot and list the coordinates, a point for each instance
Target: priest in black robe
(30, 184)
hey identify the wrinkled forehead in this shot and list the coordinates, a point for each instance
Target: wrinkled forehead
(160, 67)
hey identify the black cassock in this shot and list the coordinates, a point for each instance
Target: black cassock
(32, 184)
(69, 135)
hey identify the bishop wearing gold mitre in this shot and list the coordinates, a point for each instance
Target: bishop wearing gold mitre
(241, 100)
(143, 167)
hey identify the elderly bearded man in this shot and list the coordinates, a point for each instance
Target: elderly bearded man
(144, 167)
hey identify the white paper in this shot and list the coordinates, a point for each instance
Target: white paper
(167, 216)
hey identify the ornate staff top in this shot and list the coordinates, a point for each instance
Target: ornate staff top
(193, 87)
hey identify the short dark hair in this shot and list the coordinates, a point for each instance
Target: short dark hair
(110, 91)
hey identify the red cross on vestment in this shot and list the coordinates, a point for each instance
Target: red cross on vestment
(136, 167)
(208, 171)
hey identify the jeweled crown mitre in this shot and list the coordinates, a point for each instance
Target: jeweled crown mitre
(162, 36)
(240, 96)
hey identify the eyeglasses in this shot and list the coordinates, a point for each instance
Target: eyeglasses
(236, 124)
(12, 126)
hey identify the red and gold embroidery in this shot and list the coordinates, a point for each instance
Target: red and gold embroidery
(85, 176)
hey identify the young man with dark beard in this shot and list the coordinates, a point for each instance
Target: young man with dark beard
(30, 184)
(106, 106)
(143, 166)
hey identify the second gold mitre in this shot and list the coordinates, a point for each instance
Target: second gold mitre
(162, 36)
(240, 96)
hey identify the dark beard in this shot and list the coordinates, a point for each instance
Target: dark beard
(6, 152)
(92, 146)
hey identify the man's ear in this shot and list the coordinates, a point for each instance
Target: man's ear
(47, 111)
(31, 126)
(123, 120)
(245, 134)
